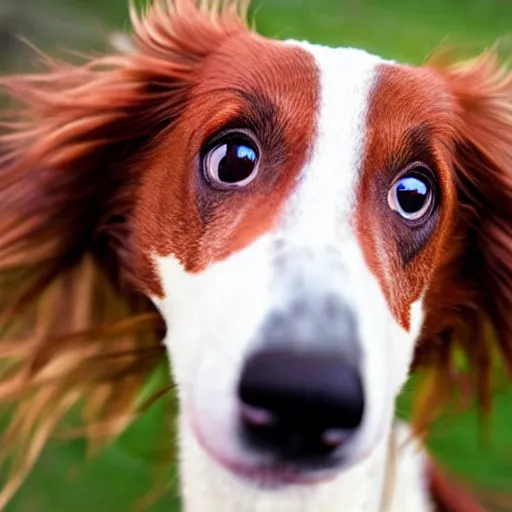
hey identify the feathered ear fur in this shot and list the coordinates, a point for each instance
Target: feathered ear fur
(469, 307)
(74, 329)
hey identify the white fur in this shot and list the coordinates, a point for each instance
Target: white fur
(208, 487)
(213, 319)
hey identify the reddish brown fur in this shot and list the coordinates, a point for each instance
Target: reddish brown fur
(448, 496)
(248, 78)
(470, 299)
(392, 116)
(74, 324)
(466, 114)
(74, 327)
(462, 118)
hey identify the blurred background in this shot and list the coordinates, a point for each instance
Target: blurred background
(406, 30)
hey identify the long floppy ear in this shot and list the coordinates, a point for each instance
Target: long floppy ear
(74, 329)
(471, 299)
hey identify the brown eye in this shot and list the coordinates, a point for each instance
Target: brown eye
(232, 162)
(412, 195)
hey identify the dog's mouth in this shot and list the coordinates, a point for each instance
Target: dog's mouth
(266, 474)
(269, 475)
(272, 477)
(277, 475)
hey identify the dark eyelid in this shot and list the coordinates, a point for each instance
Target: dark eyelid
(417, 166)
(225, 136)
(413, 167)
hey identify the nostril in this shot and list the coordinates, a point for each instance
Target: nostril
(335, 437)
(255, 416)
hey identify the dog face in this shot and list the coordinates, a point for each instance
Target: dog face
(292, 220)
(308, 221)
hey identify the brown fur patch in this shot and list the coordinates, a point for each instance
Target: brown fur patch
(447, 496)
(409, 120)
(469, 302)
(252, 83)
(75, 329)
(457, 119)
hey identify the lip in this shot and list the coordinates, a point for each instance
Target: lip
(274, 476)
(268, 476)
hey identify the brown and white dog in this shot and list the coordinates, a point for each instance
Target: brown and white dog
(307, 222)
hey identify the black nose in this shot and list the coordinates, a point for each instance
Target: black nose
(299, 406)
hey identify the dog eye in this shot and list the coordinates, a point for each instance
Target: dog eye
(232, 161)
(412, 194)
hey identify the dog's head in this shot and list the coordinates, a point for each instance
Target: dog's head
(305, 219)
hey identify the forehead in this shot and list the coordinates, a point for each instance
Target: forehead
(303, 84)
(287, 72)
(342, 103)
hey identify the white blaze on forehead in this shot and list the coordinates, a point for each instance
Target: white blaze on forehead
(318, 216)
(325, 197)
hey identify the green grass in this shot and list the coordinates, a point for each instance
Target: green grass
(399, 29)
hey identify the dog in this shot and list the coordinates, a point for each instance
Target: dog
(302, 226)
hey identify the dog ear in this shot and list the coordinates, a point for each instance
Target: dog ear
(73, 326)
(469, 307)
